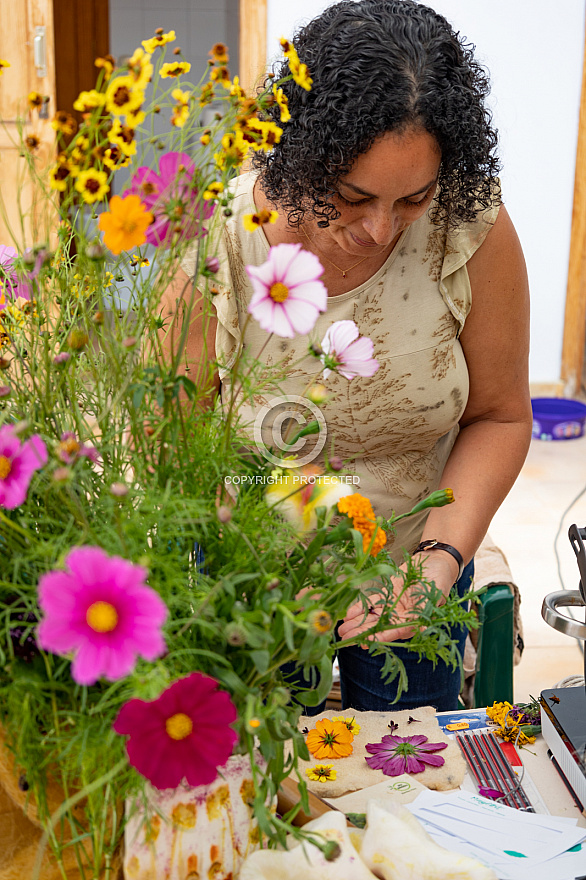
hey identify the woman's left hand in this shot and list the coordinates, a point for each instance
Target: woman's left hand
(437, 566)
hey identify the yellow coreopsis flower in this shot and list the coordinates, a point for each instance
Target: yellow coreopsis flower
(59, 174)
(123, 137)
(300, 74)
(261, 135)
(181, 110)
(64, 123)
(350, 723)
(114, 158)
(88, 101)
(158, 40)
(107, 64)
(123, 95)
(140, 67)
(221, 75)
(92, 184)
(219, 53)
(35, 100)
(175, 69)
(283, 103)
(252, 222)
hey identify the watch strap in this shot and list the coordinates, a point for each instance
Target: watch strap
(432, 544)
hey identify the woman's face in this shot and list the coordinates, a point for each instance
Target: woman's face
(388, 188)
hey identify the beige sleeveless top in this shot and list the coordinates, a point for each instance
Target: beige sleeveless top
(395, 430)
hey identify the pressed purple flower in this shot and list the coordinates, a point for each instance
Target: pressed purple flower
(395, 755)
(100, 609)
(288, 295)
(18, 462)
(172, 196)
(70, 449)
(345, 353)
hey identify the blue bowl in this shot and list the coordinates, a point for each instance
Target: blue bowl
(556, 418)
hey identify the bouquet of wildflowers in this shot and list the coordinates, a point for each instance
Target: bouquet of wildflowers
(146, 614)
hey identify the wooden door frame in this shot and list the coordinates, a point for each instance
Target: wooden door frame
(252, 43)
(575, 312)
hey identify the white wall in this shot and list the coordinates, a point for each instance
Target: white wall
(533, 49)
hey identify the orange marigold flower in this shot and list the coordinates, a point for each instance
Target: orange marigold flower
(125, 224)
(329, 739)
(360, 511)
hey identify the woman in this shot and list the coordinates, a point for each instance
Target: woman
(387, 172)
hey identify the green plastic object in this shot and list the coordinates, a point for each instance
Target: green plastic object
(494, 654)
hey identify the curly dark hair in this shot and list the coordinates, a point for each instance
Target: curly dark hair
(381, 66)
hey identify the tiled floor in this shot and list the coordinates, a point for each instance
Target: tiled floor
(525, 528)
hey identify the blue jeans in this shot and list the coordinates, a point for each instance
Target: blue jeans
(360, 675)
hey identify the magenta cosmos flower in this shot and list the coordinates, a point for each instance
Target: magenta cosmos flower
(184, 733)
(395, 755)
(173, 197)
(18, 462)
(11, 286)
(288, 295)
(345, 353)
(100, 609)
(70, 449)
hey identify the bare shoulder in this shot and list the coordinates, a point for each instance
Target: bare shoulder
(495, 337)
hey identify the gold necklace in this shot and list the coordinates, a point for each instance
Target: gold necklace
(343, 271)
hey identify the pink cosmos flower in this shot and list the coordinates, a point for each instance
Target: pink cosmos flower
(288, 295)
(70, 449)
(10, 284)
(172, 196)
(345, 353)
(100, 609)
(184, 733)
(395, 755)
(18, 462)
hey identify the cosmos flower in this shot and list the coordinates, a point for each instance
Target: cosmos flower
(11, 284)
(395, 755)
(185, 733)
(101, 609)
(172, 196)
(125, 225)
(288, 295)
(70, 449)
(345, 353)
(18, 462)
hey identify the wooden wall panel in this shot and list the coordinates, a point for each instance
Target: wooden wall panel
(252, 50)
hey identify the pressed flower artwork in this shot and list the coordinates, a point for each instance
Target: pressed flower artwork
(395, 755)
(329, 739)
(185, 733)
(100, 609)
(347, 354)
(288, 295)
(18, 462)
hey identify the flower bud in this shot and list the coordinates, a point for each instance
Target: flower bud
(4, 391)
(98, 317)
(4, 363)
(332, 851)
(273, 584)
(129, 342)
(61, 474)
(235, 635)
(95, 251)
(336, 463)
(77, 339)
(61, 358)
(212, 264)
(318, 394)
(119, 490)
(224, 514)
(316, 350)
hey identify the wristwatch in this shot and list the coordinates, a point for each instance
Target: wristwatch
(433, 544)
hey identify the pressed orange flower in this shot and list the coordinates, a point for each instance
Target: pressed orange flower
(176, 68)
(321, 773)
(252, 222)
(360, 511)
(329, 739)
(125, 224)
